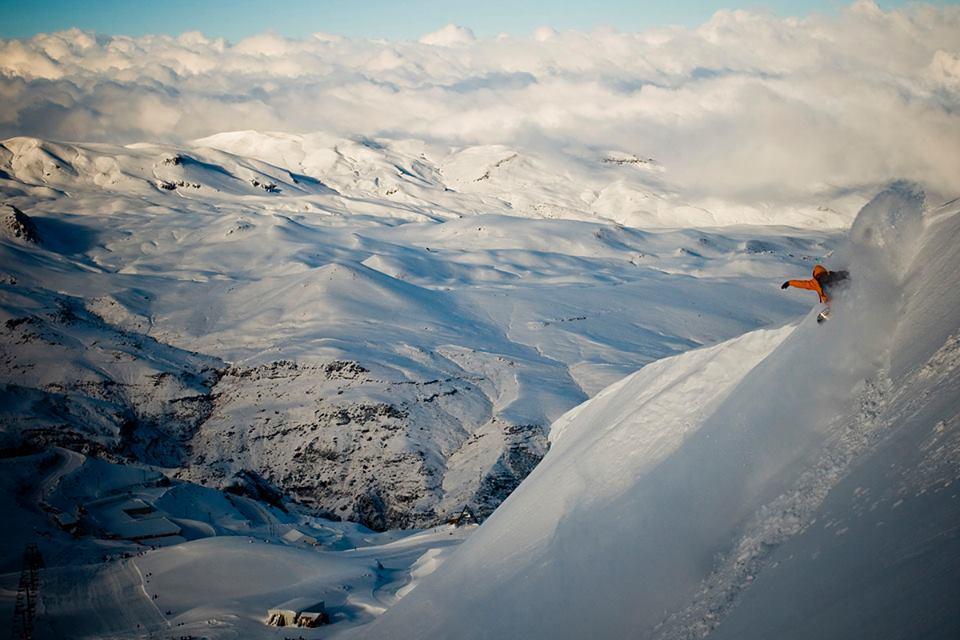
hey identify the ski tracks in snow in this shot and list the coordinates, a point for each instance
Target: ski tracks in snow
(784, 517)
(882, 407)
(98, 601)
(143, 589)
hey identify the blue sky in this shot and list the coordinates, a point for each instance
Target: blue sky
(236, 19)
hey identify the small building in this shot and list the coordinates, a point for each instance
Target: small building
(135, 508)
(299, 612)
(465, 517)
(133, 519)
(311, 619)
(66, 521)
(294, 536)
(142, 530)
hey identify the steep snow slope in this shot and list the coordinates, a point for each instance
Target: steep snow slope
(363, 323)
(881, 558)
(724, 486)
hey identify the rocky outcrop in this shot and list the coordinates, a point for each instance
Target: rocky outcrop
(316, 432)
(331, 436)
(17, 225)
(112, 392)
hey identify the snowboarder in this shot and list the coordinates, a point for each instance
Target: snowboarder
(822, 282)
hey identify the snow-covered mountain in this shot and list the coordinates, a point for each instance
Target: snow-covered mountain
(483, 336)
(215, 351)
(381, 329)
(795, 482)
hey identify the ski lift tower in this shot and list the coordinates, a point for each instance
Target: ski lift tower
(25, 608)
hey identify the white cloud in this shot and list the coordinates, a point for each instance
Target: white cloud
(747, 105)
(542, 34)
(448, 36)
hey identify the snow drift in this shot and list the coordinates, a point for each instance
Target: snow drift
(668, 496)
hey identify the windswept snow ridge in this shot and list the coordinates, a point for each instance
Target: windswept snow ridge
(773, 485)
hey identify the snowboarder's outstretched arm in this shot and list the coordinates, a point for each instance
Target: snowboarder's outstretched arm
(811, 284)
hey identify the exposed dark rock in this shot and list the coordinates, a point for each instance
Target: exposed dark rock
(269, 187)
(759, 246)
(252, 485)
(526, 446)
(44, 438)
(172, 186)
(18, 225)
(624, 160)
(344, 369)
(370, 510)
(361, 414)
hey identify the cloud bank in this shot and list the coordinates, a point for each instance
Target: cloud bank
(747, 105)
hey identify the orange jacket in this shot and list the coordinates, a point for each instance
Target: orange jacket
(813, 284)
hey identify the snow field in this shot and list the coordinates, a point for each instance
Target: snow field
(478, 321)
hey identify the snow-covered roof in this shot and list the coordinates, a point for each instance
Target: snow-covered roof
(144, 528)
(65, 519)
(136, 504)
(299, 605)
(295, 535)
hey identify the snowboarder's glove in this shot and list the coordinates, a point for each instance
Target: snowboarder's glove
(785, 285)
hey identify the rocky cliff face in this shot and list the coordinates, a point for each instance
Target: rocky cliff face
(17, 225)
(313, 431)
(318, 432)
(72, 379)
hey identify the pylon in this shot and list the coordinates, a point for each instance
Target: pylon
(28, 590)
